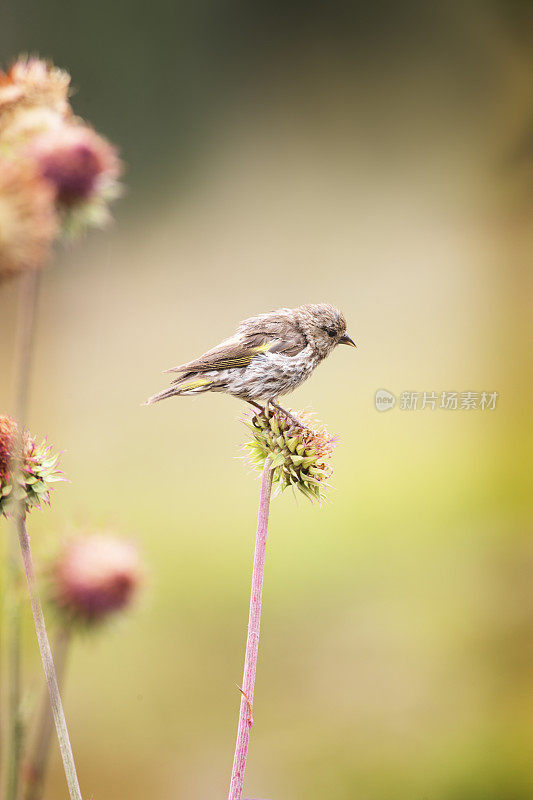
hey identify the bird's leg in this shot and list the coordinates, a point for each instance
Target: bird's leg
(289, 415)
(266, 412)
(256, 405)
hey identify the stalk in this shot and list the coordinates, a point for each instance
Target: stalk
(24, 347)
(14, 726)
(252, 641)
(48, 664)
(37, 761)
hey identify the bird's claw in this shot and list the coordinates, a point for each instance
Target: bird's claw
(266, 412)
(290, 416)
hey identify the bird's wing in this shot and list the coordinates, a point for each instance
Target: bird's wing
(279, 327)
(255, 336)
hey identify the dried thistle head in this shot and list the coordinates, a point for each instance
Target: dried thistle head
(38, 470)
(32, 82)
(94, 577)
(300, 453)
(28, 221)
(33, 101)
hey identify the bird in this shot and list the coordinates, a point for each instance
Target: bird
(269, 356)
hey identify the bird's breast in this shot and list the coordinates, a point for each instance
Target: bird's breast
(271, 375)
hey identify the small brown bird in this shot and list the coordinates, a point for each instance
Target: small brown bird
(269, 356)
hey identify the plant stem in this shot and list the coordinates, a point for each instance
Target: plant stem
(252, 641)
(29, 289)
(14, 727)
(36, 763)
(48, 664)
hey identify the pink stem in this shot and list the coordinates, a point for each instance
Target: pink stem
(252, 642)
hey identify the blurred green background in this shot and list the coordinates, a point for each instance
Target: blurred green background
(376, 156)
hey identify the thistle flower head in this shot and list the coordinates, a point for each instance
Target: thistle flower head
(28, 222)
(300, 453)
(95, 576)
(37, 124)
(38, 470)
(79, 163)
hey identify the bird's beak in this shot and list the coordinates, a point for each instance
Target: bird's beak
(347, 340)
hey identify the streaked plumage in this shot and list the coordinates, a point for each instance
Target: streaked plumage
(268, 356)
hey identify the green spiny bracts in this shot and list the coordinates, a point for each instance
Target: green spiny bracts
(38, 470)
(300, 454)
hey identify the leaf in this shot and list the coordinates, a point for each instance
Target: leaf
(291, 443)
(277, 460)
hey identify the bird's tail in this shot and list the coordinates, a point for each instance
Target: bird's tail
(194, 386)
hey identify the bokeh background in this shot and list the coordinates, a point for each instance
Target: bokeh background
(377, 156)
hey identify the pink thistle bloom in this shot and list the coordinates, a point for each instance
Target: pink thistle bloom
(95, 576)
(77, 162)
(38, 470)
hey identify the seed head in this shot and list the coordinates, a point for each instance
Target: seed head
(300, 453)
(37, 471)
(28, 222)
(95, 576)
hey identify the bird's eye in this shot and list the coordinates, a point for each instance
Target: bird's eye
(331, 332)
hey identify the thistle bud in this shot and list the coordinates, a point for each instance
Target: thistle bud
(28, 222)
(299, 452)
(95, 576)
(37, 472)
